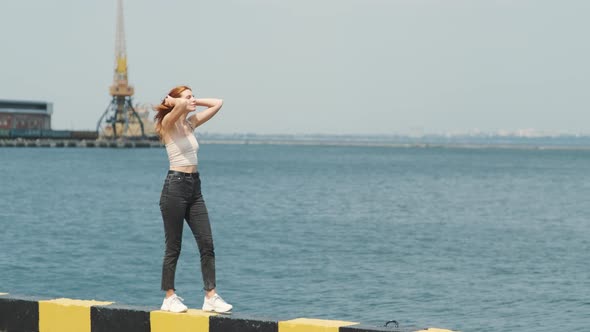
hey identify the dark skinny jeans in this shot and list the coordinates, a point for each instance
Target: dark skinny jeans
(181, 200)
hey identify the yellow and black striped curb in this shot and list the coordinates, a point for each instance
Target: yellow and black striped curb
(21, 313)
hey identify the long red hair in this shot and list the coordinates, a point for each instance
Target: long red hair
(162, 110)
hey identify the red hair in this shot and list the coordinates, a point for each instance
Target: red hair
(162, 110)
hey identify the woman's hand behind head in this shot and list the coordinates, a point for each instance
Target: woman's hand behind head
(172, 102)
(168, 101)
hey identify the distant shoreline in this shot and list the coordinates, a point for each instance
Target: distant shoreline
(531, 144)
(450, 145)
(563, 142)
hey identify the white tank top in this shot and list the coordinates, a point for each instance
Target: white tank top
(182, 151)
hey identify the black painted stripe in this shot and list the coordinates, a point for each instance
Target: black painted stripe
(19, 314)
(366, 328)
(238, 323)
(119, 318)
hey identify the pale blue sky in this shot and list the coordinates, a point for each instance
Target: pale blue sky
(312, 66)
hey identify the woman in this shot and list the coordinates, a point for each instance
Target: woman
(181, 197)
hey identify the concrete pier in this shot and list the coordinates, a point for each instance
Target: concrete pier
(70, 143)
(23, 313)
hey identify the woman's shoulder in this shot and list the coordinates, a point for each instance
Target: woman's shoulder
(176, 125)
(189, 124)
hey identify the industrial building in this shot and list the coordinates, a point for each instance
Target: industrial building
(23, 115)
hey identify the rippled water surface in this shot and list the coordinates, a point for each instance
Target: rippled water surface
(466, 239)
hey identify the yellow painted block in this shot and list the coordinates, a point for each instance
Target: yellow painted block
(312, 325)
(191, 321)
(66, 315)
(435, 329)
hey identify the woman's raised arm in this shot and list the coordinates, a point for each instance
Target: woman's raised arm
(179, 110)
(213, 105)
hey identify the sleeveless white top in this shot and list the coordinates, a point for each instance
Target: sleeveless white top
(182, 151)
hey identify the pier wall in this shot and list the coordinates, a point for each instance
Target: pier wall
(22, 313)
(72, 143)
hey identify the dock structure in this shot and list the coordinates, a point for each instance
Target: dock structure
(68, 143)
(22, 313)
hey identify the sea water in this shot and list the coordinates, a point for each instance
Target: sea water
(471, 239)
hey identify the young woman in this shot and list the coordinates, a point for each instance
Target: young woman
(181, 197)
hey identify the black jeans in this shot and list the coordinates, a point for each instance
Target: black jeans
(181, 200)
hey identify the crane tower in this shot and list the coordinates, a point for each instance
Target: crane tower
(120, 118)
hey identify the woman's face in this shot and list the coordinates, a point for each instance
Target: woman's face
(192, 101)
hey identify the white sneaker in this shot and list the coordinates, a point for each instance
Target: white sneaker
(174, 304)
(216, 304)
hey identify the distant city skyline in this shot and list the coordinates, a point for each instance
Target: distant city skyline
(405, 67)
(516, 133)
